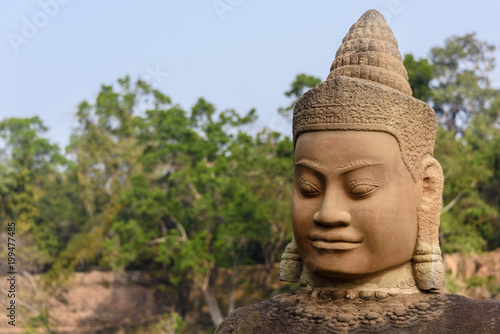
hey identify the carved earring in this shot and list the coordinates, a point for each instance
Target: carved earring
(291, 264)
(427, 261)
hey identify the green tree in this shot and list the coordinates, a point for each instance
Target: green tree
(31, 166)
(462, 84)
(105, 157)
(466, 219)
(419, 76)
(467, 144)
(195, 157)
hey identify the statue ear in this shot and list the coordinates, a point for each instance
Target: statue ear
(428, 264)
(291, 264)
(431, 179)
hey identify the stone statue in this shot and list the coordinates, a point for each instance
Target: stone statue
(365, 207)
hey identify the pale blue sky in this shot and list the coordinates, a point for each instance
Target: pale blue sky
(244, 57)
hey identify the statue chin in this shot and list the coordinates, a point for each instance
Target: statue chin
(393, 280)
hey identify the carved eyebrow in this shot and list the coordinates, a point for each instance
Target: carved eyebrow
(352, 165)
(309, 164)
(347, 167)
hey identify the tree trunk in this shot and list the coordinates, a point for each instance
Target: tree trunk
(208, 288)
(183, 293)
(268, 265)
(232, 287)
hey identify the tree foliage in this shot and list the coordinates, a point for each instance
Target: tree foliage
(462, 88)
(32, 186)
(419, 76)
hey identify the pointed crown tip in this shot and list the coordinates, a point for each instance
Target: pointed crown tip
(370, 51)
(372, 14)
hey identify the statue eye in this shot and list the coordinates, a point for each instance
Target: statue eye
(362, 187)
(308, 188)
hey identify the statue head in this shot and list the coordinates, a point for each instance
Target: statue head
(367, 190)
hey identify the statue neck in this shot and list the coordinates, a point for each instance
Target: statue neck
(398, 280)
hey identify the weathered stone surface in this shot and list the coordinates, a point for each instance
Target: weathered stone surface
(299, 312)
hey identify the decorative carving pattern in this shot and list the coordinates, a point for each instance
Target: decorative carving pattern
(362, 311)
(371, 58)
(368, 44)
(353, 311)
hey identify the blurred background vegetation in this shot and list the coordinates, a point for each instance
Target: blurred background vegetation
(184, 194)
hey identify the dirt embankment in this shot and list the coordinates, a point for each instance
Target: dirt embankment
(93, 302)
(475, 276)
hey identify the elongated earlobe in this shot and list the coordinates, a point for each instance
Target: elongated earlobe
(291, 264)
(427, 261)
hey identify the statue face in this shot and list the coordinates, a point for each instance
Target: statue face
(354, 204)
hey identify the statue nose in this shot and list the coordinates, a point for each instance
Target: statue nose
(331, 213)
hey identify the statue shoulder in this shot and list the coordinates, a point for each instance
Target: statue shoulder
(241, 320)
(255, 318)
(478, 316)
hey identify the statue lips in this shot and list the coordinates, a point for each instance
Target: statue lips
(335, 242)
